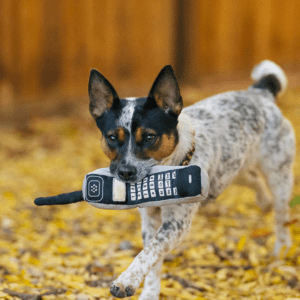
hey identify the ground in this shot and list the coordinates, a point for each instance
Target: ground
(75, 251)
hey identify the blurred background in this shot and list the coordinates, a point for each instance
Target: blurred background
(48, 47)
(48, 142)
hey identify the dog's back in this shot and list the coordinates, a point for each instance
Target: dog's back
(234, 130)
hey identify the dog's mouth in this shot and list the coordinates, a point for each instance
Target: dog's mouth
(131, 175)
(132, 172)
(131, 180)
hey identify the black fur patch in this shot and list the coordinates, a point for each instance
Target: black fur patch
(148, 115)
(269, 82)
(108, 120)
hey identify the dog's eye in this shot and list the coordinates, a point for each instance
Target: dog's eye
(112, 138)
(150, 137)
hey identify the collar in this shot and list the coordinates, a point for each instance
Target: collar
(189, 156)
(185, 148)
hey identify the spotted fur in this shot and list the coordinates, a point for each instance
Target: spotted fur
(237, 135)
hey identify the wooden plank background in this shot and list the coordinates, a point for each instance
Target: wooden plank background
(48, 47)
(230, 36)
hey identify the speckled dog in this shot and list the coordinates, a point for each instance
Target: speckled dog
(234, 135)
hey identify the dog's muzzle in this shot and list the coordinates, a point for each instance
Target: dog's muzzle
(127, 173)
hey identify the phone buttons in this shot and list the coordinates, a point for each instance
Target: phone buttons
(161, 192)
(152, 193)
(94, 188)
(175, 192)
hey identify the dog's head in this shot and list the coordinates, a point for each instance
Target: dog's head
(137, 133)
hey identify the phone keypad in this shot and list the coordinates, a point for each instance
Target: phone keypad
(160, 184)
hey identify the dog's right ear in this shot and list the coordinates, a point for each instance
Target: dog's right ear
(165, 91)
(102, 94)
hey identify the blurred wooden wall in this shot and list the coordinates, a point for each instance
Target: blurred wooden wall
(47, 47)
(230, 36)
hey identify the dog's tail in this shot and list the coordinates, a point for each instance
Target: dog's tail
(268, 75)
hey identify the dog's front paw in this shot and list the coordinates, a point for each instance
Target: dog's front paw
(120, 291)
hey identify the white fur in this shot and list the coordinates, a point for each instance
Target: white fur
(267, 67)
(125, 120)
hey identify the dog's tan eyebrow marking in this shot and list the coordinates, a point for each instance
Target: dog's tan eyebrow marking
(140, 132)
(119, 132)
(163, 147)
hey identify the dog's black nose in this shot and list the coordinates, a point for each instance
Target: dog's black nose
(127, 173)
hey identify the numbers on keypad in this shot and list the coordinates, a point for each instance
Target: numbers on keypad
(148, 188)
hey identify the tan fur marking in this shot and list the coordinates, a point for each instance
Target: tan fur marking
(167, 146)
(177, 109)
(121, 134)
(139, 134)
(111, 154)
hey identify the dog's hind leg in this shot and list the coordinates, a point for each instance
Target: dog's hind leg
(151, 220)
(278, 152)
(254, 180)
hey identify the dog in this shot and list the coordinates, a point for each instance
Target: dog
(235, 135)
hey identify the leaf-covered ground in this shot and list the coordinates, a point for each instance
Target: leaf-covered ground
(75, 251)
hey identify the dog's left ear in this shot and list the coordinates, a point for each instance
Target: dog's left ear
(165, 91)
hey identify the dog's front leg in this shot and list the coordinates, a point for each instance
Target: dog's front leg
(151, 220)
(176, 222)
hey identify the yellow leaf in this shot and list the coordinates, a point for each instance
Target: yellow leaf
(33, 261)
(222, 274)
(241, 243)
(260, 232)
(247, 286)
(96, 292)
(250, 275)
(292, 251)
(254, 259)
(276, 279)
(166, 291)
(63, 249)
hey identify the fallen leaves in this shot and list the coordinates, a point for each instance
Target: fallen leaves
(76, 251)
